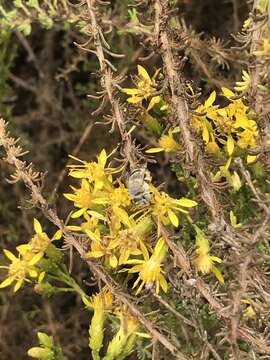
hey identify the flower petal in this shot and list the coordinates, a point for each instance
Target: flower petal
(155, 100)
(211, 99)
(187, 202)
(6, 282)
(173, 218)
(18, 285)
(218, 274)
(37, 226)
(230, 145)
(9, 255)
(143, 73)
(154, 150)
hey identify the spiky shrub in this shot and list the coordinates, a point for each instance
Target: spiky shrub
(180, 276)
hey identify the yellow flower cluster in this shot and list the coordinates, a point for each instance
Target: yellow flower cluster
(120, 232)
(226, 127)
(24, 267)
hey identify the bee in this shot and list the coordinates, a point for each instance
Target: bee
(138, 185)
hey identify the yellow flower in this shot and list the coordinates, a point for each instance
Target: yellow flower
(265, 50)
(120, 196)
(39, 243)
(165, 208)
(91, 222)
(85, 198)
(149, 269)
(146, 88)
(243, 85)
(247, 138)
(99, 248)
(94, 172)
(19, 270)
(166, 143)
(127, 242)
(204, 261)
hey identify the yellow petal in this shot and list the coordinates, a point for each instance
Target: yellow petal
(227, 92)
(6, 282)
(96, 215)
(251, 159)
(93, 236)
(144, 335)
(18, 285)
(154, 150)
(210, 100)
(58, 234)
(78, 213)
(36, 258)
(187, 202)
(74, 228)
(22, 249)
(159, 245)
(230, 145)
(143, 73)
(37, 226)
(205, 134)
(122, 215)
(218, 274)
(102, 158)
(33, 273)
(9, 255)
(71, 197)
(163, 283)
(173, 218)
(155, 100)
(130, 91)
(144, 251)
(113, 261)
(41, 277)
(134, 99)
(216, 259)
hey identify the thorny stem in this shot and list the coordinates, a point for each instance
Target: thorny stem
(107, 83)
(194, 154)
(255, 67)
(196, 157)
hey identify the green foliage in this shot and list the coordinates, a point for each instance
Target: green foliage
(47, 349)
